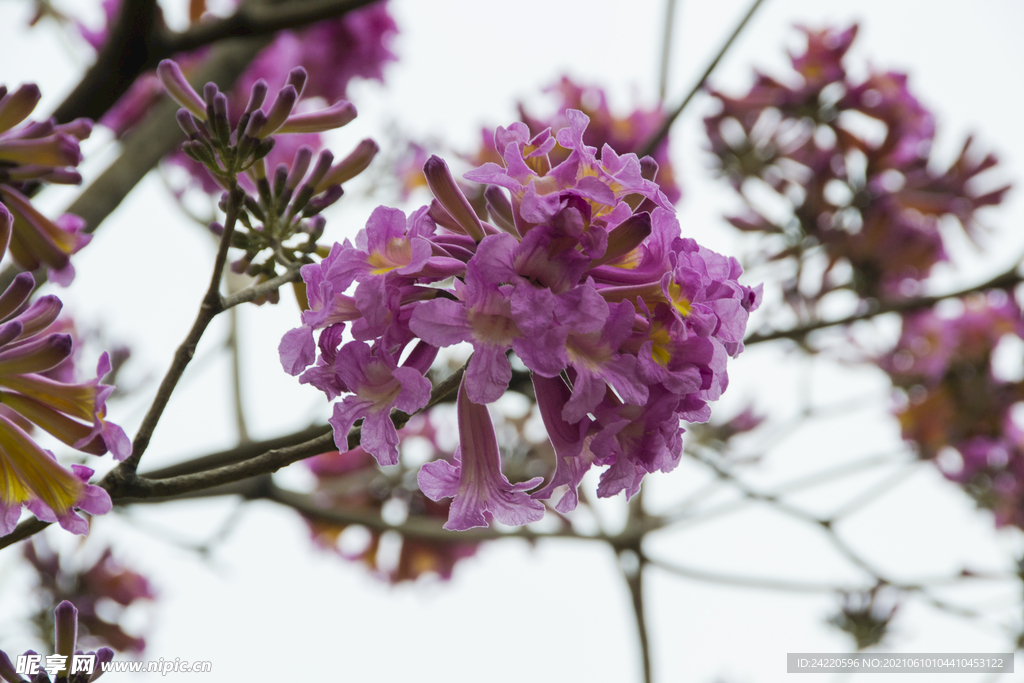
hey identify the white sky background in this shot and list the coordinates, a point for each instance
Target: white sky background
(266, 605)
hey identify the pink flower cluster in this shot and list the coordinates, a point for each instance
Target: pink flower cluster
(955, 401)
(624, 324)
(851, 159)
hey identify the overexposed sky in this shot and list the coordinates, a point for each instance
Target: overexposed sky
(266, 605)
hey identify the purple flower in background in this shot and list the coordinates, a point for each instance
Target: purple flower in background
(106, 583)
(335, 473)
(851, 160)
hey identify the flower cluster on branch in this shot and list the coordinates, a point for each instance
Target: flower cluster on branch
(581, 272)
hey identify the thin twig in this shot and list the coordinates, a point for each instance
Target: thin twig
(260, 289)
(208, 310)
(666, 48)
(752, 581)
(236, 377)
(634, 581)
(875, 308)
(666, 125)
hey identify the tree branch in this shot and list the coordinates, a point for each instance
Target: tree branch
(138, 42)
(250, 21)
(634, 580)
(876, 308)
(133, 45)
(666, 48)
(657, 138)
(208, 310)
(260, 289)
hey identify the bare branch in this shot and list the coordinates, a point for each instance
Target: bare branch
(656, 139)
(137, 43)
(666, 48)
(260, 289)
(1008, 278)
(209, 309)
(260, 20)
(131, 48)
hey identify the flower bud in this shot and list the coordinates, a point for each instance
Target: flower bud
(297, 79)
(66, 627)
(257, 95)
(187, 123)
(442, 184)
(299, 167)
(341, 114)
(279, 111)
(179, 89)
(15, 107)
(351, 166)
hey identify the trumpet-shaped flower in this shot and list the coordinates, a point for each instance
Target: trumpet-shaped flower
(31, 153)
(475, 481)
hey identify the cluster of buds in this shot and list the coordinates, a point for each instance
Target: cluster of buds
(101, 592)
(955, 403)
(351, 481)
(582, 273)
(869, 199)
(33, 153)
(66, 665)
(275, 206)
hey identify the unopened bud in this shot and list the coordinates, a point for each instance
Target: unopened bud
(179, 89)
(279, 111)
(187, 123)
(257, 95)
(351, 166)
(341, 114)
(297, 79)
(442, 184)
(66, 627)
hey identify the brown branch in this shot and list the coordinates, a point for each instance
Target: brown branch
(666, 48)
(876, 308)
(666, 125)
(138, 42)
(125, 486)
(134, 46)
(208, 310)
(260, 289)
(634, 581)
(143, 147)
(238, 453)
(250, 21)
